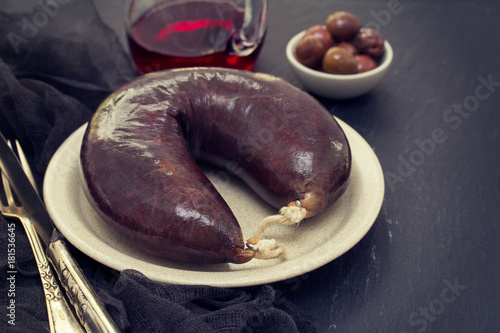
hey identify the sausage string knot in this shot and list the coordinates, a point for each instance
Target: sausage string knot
(292, 214)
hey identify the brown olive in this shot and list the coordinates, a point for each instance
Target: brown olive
(365, 63)
(309, 52)
(343, 26)
(322, 34)
(339, 61)
(370, 42)
(348, 46)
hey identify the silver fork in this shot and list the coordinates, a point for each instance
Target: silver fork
(61, 317)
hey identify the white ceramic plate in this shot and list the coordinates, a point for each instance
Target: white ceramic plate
(314, 243)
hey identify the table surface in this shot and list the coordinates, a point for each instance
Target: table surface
(430, 262)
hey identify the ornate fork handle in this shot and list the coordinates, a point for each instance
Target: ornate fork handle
(88, 307)
(61, 317)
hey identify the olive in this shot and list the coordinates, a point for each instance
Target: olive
(309, 51)
(348, 46)
(365, 63)
(343, 26)
(322, 34)
(370, 42)
(339, 61)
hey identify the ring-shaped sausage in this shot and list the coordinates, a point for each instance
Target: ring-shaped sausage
(140, 149)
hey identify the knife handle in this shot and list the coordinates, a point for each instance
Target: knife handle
(89, 309)
(60, 314)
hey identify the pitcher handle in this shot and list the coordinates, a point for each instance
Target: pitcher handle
(254, 27)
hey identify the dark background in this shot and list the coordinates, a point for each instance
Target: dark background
(431, 261)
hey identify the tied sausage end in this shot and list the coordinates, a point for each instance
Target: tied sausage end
(265, 248)
(243, 255)
(313, 203)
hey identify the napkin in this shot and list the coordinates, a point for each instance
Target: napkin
(58, 61)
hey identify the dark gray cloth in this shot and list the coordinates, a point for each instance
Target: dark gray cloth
(58, 62)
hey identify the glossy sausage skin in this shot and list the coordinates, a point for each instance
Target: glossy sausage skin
(138, 157)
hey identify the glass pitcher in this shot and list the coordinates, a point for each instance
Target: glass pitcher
(166, 34)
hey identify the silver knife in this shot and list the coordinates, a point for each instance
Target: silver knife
(89, 309)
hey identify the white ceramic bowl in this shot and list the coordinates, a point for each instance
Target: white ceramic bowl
(337, 86)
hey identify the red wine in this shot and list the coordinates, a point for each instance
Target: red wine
(174, 35)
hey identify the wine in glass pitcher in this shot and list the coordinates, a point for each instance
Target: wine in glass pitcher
(187, 33)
